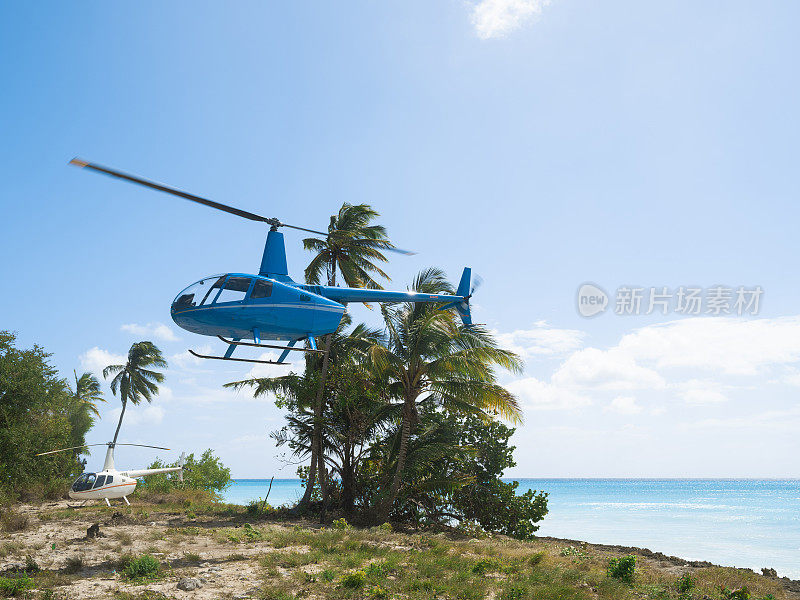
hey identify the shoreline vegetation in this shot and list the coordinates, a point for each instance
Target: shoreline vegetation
(166, 544)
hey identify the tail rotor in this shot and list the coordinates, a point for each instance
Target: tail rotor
(181, 463)
(466, 287)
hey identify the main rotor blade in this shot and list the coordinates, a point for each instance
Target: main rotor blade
(304, 229)
(145, 446)
(168, 190)
(65, 449)
(78, 162)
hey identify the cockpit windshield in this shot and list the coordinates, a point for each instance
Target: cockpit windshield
(200, 293)
(84, 482)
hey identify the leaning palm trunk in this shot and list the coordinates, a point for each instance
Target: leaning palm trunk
(394, 489)
(312, 478)
(320, 403)
(317, 468)
(122, 414)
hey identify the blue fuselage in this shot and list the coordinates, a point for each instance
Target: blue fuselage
(286, 313)
(239, 306)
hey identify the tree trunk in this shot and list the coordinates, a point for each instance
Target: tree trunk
(122, 414)
(312, 479)
(320, 404)
(405, 433)
(348, 481)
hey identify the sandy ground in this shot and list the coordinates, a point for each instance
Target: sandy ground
(52, 543)
(199, 547)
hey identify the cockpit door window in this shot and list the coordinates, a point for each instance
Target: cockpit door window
(261, 289)
(101, 481)
(235, 289)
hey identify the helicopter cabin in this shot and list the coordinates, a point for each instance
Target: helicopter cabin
(90, 481)
(235, 305)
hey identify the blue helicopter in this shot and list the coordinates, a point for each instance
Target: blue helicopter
(270, 305)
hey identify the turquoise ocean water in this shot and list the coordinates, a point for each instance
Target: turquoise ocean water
(734, 522)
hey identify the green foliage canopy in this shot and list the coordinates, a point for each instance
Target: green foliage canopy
(38, 412)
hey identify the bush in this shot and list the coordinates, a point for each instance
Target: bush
(741, 594)
(144, 567)
(485, 565)
(379, 592)
(341, 524)
(206, 473)
(354, 580)
(15, 586)
(685, 583)
(535, 558)
(623, 568)
(13, 521)
(74, 565)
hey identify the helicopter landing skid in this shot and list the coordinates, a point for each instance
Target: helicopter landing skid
(249, 360)
(238, 343)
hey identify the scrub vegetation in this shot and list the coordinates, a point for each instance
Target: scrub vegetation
(236, 554)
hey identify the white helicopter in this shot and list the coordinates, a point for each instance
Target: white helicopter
(110, 483)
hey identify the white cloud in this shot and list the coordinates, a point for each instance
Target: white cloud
(697, 361)
(138, 415)
(540, 395)
(728, 345)
(271, 370)
(157, 331)
(624, 405)
(541, 340)
(496, 18)
(186, 359)
(606, 370)
(96, 359)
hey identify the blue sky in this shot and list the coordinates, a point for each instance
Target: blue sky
(543, 144)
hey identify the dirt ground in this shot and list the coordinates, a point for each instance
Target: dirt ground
(222, 551)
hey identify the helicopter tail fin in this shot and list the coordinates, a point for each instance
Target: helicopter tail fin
(181, 462)
(462, 306)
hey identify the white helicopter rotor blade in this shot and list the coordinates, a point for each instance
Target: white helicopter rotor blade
(145, 446)
(65, 449)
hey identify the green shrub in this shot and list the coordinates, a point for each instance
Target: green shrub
(144, 567)
(341, 524)
(328, 575)
(251, 533)
(354, 580)
(535, 558)
(685, 583)
(485, 565)
(378, 592)
(387, 527)
(623, 568)
(206, 473)
(15, 586)
(31, 566)
(513, 592)
(741, 594)
(375, 570)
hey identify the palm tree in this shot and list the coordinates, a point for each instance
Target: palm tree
(353, 248)
(300, 395)
(136, 380)
(87, 392)
(431, 357)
